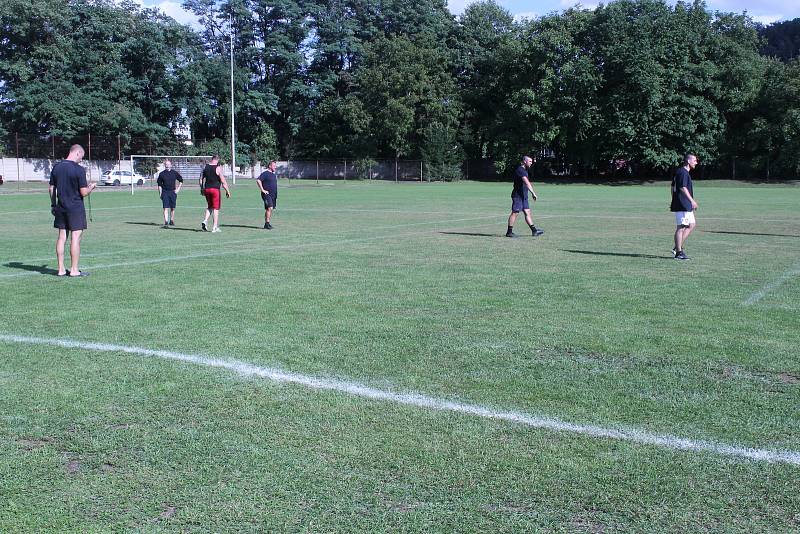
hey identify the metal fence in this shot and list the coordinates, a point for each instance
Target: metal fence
(28, 157)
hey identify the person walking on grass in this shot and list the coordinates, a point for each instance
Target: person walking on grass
(211, 179)
(683, 205)
(519, 198)
(68, 187)
(268, 184)
(169, 185)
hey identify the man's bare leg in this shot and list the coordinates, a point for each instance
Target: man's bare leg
(528, 218)
(166, 216)
(75, 252)
(216, 218)
(60, 242)
(172, 215)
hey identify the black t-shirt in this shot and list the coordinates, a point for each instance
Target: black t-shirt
(212, 181)
(269, 182)
(520, 189)
(68, 177)
(167, 179)
(681, 202)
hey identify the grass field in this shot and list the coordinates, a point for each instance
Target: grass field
(408, 289)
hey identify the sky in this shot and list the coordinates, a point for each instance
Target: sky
(763, 11)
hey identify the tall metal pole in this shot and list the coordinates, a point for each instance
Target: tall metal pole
(233, 129)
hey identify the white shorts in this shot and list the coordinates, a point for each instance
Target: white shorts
(684, 218)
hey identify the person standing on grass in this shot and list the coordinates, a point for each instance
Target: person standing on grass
(211, 179)
(169, 185)
(683, 205)
(268, 184)
(67, 189)
(519, 198)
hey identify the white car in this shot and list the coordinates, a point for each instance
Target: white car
(117, 177)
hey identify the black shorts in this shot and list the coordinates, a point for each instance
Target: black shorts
(269, 201)
(519, 203)
(169, 199)
(72, 220)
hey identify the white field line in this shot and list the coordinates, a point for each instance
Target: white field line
(632, 435)
(291, 246)
(761, 293)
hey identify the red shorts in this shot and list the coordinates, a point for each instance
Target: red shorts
(213, 198)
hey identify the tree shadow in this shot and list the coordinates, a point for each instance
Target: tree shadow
(748, 233)
(619, 254)
(43, 269)
(160, 225)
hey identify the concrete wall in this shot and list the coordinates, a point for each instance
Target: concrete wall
(35, 170)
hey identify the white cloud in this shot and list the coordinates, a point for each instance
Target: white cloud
(766, 19)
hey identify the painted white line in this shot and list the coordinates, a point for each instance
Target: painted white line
(418, 400)
(761, 293)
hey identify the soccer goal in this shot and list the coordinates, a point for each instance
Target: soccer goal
(147, 167)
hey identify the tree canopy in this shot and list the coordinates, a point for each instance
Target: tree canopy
(637, 81)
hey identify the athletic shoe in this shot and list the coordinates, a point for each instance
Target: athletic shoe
(172, 223)
(537, 232)
(511, 234)
(268, 226)
(674, 252)
(681, 256)
(165, 225)
(215, 230)
(204, 226)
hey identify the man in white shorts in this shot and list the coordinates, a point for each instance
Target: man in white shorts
(683, 205)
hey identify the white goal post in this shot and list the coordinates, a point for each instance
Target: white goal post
(185, 165)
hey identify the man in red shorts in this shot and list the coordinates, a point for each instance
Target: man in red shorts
(210, 182)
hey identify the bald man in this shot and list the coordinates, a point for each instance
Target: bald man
(68, 187)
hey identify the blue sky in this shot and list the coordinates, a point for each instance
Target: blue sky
(764, 11)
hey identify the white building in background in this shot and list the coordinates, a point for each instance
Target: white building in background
(182, 128)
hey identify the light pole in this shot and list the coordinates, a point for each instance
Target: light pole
(233, 129)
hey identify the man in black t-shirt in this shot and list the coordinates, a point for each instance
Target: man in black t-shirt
(683, 205)
(519, 198)
(169, 185)
(211, 179)
(268, 184)
(67, 188)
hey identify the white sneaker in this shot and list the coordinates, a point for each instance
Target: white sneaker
(216, 230)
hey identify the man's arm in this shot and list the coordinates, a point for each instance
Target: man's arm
(202, 183)
(529, 185)
(261, 187)
(685, 191)
(223, 182)
(53, 199)
(179, 178)
(160, 182)
(85, 191)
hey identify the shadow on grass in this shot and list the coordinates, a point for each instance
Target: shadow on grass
(619, 254)
(748, 233)
(471, 234)
(241, 226)
(160, 225)
(44, 269)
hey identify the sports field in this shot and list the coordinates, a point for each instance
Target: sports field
(383, 360)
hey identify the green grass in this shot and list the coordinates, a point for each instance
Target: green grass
(408, 288)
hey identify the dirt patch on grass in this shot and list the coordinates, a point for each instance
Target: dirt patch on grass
(168, 512)
(789, 378)
(584, 524)
(30, 444)
(73, 466)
